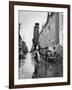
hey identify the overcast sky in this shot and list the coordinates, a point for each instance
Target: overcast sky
(28, 20)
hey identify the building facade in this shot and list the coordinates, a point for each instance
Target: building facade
(52, 31)
(36, 33)
(51, 36)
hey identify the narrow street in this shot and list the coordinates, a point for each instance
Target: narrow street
(45, 56)
(45, 69)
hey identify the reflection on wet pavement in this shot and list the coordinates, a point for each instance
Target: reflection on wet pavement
(45, 69)
(27, 68)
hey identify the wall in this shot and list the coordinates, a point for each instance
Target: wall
(61, 29)
(4, 45)
(51, 33)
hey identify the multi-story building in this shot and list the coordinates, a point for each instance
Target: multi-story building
(51, 36)
(52, 31)
(36, 33)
